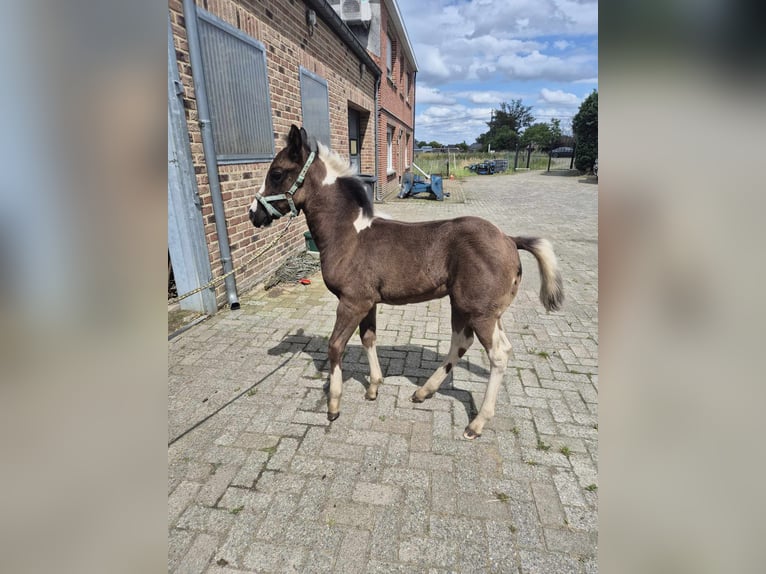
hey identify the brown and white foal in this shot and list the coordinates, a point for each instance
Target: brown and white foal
(368, 260)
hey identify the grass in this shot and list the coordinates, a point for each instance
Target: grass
(382, 418)
(515, 431)
(502, 497)
(268, 449)
(591, 488)
(455, 163)
(565, 451)
(542, 446)
(237, 510)
(251, 392)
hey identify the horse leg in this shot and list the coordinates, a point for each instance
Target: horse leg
(367, 331)
(462, 339)
(346, 320)
(498, 348)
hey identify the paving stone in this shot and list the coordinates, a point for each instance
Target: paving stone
(265, 556)
(352, 557)
(379, 494)
(427, 551)
(179, 542)
(537, 562)
(197, 557)
(180, 499)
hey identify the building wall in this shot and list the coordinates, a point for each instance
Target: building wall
(281, 26)
(397, 108)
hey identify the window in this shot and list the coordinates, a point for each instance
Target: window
(238, 92)
(390, 148)
(407, 87)
(407, 150)
(389, 55)
(315, 106)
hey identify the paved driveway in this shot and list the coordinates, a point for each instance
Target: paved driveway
(259, 481)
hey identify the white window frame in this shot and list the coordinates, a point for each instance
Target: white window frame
(389, 56)
(390, 149)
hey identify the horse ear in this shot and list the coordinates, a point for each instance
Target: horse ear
(294, 142)
(305, 139)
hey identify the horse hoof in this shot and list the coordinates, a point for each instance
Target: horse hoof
(470, 435)
(414, 398)
(369, 398)
(332, 416)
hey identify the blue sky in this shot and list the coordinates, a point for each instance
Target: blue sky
(474, 54)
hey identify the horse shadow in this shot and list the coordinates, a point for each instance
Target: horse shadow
(355, 364)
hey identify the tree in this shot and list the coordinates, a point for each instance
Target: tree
(505, 125)
(542, 136)
(463, 146)
(585, 128)
(435, 144)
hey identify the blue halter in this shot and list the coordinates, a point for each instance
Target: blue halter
(288, 195)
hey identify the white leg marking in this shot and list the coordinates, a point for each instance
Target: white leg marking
(498, 358)
(336, 387)
(376, 374)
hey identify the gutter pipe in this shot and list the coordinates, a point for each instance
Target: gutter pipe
(208, 146)
(378, 193)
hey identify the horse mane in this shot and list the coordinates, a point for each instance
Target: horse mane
(350, 186)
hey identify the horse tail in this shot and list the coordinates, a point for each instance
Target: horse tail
(551, 285)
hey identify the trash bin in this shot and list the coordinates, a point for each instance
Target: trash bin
(369, 185)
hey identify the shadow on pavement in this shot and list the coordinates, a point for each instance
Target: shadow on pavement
(316, 348)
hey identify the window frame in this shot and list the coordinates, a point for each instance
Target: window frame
(238, 158)
(319, 79)
(390, 130)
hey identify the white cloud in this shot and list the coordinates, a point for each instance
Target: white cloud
(452, 124)
(558, 97)
(491, 97)
(561, 44)
(428, 95)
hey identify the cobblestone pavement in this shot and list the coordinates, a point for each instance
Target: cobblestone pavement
(259, 481)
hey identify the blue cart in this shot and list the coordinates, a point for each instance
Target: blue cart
(414, 184)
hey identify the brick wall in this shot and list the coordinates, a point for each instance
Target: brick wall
(281, 26)
(396, 108)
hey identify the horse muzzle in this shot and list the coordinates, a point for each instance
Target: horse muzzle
(259, 218)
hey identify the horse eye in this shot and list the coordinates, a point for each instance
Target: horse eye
(276, 176)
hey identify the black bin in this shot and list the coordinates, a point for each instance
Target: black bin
(369, 185)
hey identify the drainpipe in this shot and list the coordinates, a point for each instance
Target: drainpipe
(378, 194)
(208, 147)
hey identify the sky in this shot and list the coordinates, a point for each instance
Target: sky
(474, 54)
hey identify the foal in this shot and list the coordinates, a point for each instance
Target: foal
(368, 260)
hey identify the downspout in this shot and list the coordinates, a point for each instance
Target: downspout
(414, 92)
(208, 147)
(378, 193)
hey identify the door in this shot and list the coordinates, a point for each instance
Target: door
(354, 142)
(187, 248)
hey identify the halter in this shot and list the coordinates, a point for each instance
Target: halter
(288, 195)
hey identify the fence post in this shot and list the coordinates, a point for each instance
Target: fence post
(574, 151)
(549, 161)
(529, 155)
(516, 159)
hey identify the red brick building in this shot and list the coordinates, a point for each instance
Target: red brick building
(378, 24)
(260, 67)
